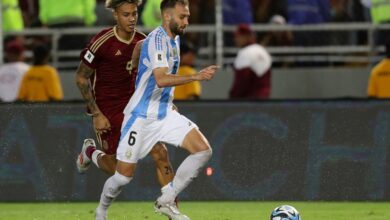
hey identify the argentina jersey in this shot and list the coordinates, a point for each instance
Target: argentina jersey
(150, 101)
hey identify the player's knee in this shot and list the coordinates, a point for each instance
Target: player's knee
(205, 155)
(159, 154)
(120, 179)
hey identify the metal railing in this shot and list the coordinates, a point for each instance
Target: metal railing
(209, 52)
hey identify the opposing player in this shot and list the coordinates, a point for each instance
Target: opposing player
(149, 117)
(106, 84)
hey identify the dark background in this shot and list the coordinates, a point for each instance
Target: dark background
(276, 150)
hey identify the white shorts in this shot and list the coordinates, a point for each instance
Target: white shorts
(140, 135)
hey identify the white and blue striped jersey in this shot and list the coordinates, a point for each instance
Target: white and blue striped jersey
(149, 101)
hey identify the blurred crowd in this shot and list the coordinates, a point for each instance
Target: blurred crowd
(34, 13)
(20, 14)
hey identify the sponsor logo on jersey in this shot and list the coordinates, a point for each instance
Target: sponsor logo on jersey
(89, 56)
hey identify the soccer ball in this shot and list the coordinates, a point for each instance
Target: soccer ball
(285, 212)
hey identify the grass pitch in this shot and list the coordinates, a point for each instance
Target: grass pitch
(197, 210)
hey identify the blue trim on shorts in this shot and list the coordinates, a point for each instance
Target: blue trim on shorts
(128, 125)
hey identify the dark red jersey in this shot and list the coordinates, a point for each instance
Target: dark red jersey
(110, 57)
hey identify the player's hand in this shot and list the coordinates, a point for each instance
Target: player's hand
(101, 124)
(207, 73)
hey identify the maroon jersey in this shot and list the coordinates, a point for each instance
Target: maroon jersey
(110, 57)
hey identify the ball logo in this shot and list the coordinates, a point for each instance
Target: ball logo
(285, 212)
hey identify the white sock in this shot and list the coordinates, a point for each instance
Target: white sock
(187, 171)
(112, 188)
(95, 155)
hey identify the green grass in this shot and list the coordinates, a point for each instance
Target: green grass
(197, 210)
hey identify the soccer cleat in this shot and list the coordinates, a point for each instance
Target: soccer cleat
(170, 210)
(100, 215)
(83, 161)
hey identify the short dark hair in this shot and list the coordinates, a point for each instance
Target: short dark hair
(165, 4)
(113, 4)
(41, 52)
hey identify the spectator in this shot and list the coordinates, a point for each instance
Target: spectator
(379, 82)
(12, 72)
(265, 9)
(278, 38)
(380, 14)
(151, 15)
(252, 66)
(30, 12)
(41, 83)
(190, 91)
(237, 12)
(67, 14)
(308, 11)
(12, 16)
(302, 12)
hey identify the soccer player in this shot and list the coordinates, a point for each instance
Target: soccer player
(149, 117)
(106, 84)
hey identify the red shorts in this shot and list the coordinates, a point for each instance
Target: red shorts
(109, 141)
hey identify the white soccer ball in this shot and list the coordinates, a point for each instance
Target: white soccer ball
(285, 212)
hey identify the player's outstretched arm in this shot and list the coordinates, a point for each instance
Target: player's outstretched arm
(83, 76)
(163, 79)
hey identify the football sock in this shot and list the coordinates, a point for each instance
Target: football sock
(89, 151)
(95, 155)
(187, 171)
(112, 188)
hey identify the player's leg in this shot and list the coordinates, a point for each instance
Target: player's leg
(164, 169)
(113, 187)
(137, 141)
(200, 153)
(104, 159)
(89, 152)
(180, 131)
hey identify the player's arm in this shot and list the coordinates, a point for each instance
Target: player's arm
(164, 79)
(135, 57)
(83, 76)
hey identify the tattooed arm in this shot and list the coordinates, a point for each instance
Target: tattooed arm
(83, 74)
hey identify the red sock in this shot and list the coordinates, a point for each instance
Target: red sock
(90, 151)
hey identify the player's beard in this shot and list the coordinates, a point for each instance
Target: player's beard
(175, 29)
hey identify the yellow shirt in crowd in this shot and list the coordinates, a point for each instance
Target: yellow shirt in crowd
(41, 84)
(379, 83)
(186, 91)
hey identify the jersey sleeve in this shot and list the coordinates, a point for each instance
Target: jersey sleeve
(90, 54)
(158, 51)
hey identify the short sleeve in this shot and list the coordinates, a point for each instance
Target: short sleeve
(88, 58)
(158, 51)
(91, 53)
